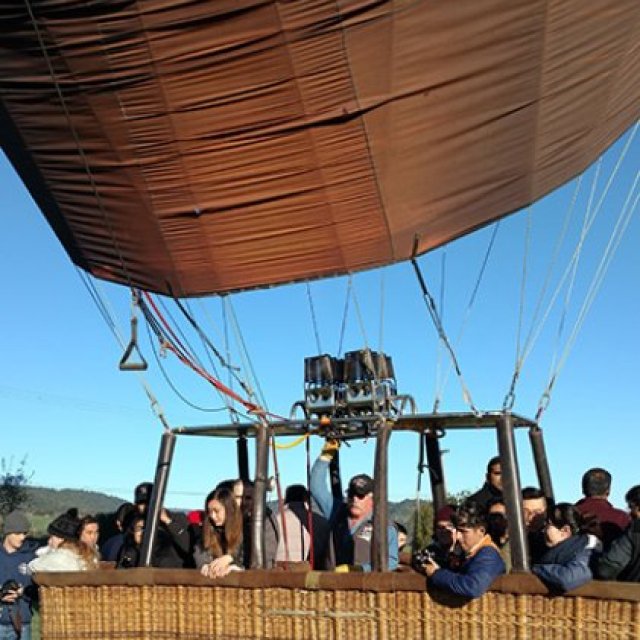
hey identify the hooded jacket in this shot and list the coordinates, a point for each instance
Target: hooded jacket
(15, 566)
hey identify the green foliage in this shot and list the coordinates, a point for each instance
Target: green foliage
(457, 499)
(13, 486)
(423, 525)
(43, 501)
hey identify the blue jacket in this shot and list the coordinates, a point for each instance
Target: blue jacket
(110, 550)
(13, 566)
(347, 541)
(567, 565)
(475, 575)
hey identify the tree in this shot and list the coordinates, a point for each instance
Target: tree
(422, 526)
(13, 485)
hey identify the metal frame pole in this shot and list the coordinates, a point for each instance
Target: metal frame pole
(259, 496)
(541, 462)
(436, 472)
(512, 492)
(380, 541)
(165, 455)
(242, 447)
(334, 478)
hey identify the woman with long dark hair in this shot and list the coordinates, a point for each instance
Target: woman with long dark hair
(566, 564)
(133, 529)
(220, 550)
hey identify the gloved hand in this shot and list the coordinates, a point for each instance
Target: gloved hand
(348, 568)
(329, 450)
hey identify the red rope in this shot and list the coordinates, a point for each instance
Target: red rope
(250, 406)
(162, 319)
(182, 355)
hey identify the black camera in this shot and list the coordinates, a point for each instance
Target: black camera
(8, 587)
(421, 557)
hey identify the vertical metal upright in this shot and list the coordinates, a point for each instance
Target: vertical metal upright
(380, 541)
(541, 462)
(436, 473)
(242, 449)
(512, 492)
(259, 496)
(165, 455)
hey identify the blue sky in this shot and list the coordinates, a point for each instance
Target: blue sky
(84, 424)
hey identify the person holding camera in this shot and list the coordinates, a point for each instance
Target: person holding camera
(482, 564)
(16, 590)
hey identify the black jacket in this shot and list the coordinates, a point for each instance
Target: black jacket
(172, 548)
(484, 496)
(622, 560)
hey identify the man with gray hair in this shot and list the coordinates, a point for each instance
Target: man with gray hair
(351, 522)
(16, 588)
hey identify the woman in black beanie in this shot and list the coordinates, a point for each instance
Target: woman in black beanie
(64, 551)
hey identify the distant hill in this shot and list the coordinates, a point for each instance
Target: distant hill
(51, 502)
(44, 501)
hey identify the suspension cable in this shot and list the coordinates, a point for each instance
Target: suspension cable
(552, 263)
(78, 145)
(433, 312)
(467, 314)
(574, 270)
(170, 345)
(227, 342)
(628, 210)
(108, 316)
(173, 386)
(356, 305)
(439, 358)
(579, 246)
(344, 315)
(245, 357)
(509, 398)
(314, 320)
(233, 413)
(224, 362)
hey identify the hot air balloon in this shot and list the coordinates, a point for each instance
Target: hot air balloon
(191, 148)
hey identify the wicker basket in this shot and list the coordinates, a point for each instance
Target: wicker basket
(153, 604)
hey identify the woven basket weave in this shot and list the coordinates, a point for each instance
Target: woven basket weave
(180, 605)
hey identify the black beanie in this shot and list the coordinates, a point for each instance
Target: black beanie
(142, 494)
(66, 526)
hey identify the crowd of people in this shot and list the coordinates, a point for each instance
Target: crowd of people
(568, 544)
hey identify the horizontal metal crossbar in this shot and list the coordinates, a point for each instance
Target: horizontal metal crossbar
(362, 426)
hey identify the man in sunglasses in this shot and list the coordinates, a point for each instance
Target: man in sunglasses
(351, 522)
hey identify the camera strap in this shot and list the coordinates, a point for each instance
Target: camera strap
(16, 621)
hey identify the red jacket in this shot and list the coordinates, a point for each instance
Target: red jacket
(612, 521)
